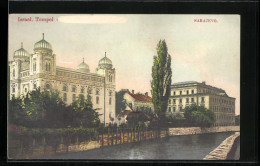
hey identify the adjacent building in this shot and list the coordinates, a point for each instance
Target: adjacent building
(138, 102)
(215, 99)
(38, 69)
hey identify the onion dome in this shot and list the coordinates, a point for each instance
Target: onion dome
(42, 44)
(105, 62)
(21, 52)
(83, 67)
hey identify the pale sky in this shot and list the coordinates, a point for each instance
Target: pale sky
(200, 51)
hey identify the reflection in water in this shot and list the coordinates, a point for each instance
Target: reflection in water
(193, 147)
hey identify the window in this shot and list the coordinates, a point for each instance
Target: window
(110, 101)
(202, 99)
(73, 89)
(73, 97)
(82, 90)
(192, 100)
(49, 66)
(97, 100)
(46, 66)
(187, 92)
(180, 100)
(169, 109)
(174, 93)
(64, 88)
(89, 91)
(169, 101)
(130, 105)
(110, 78)
(34, 66)
(187, 100)
(181, 109)
(173, 108)
(174, 101)
(64, 96)
(34, 86)
(97, 92)
(47, 86)
(110, 93)
(180, 92)
(13, 90)
(192, 91)
(14, 73)
(25, 89)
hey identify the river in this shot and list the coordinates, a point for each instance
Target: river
(188, 147)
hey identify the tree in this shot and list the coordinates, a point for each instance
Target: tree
(161, 80)
(84, 114)
(120, 102)
(199, 115)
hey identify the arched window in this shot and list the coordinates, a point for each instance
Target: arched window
(97, 91)
(110, 93)
(73, 89)
(65, 97)
(13, 90)
(14, 73)
(64, 88)
(25, 89)
(97, 100)
(82, 90)
(73, 97)
(34, 86)
(110, 101)
(48, 86)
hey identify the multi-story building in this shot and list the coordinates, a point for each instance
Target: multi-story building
(215, 99)
(29, 71)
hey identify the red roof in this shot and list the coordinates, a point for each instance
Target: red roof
(141, 97)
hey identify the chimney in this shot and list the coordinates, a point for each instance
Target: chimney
(146, 94)
(203, 82)
(133, 91)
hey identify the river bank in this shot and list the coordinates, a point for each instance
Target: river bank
(226, 150)
(199, 130)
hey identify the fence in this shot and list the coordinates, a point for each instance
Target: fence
(114, 136)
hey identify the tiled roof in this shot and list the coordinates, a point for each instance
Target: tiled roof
(185, 82)
(141, 97)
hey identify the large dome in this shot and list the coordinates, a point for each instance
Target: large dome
(105, 62)
(21, 52)
(42, 44)
(83, 67)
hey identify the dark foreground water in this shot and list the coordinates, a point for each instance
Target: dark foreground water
(193, 147)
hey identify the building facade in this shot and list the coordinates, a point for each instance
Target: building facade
(215, 99)
(29, 71)
(138, 102)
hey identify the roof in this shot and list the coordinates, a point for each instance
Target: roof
(141, 97)
(185, 82)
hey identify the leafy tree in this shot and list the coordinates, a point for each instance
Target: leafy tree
(161, 80)
(120, 102)
(199, 115)
(84, 114)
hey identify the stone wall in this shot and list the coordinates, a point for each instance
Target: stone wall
(198, 130)
(222, 151)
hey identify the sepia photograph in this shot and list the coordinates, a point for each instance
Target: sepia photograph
(123, 86)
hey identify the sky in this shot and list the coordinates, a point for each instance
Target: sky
(200, 51)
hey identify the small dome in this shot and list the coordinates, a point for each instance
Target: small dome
(21, 52)
(83, 67)
(42, 44)
(105, 62)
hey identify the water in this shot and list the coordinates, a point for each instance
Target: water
(189, 147)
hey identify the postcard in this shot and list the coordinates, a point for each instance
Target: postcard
(124, 86)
